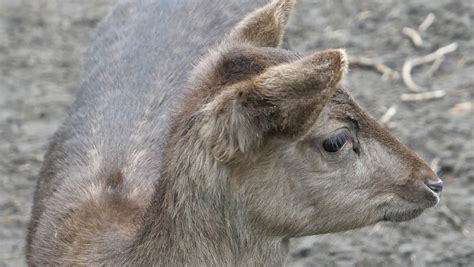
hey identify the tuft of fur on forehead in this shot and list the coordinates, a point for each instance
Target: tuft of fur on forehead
(229, 64)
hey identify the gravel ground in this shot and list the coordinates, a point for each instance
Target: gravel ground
(42, 42)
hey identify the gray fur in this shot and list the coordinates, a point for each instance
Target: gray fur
(160, 163)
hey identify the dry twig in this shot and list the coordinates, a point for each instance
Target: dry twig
(371, 63)
(363, 15)
(414, 36)
(444, 210)
(454, 219)
(461, 108)
(413, 62)
(423, 96)
(8, 218)
(427, 22)
(435, 66)
(388, 115)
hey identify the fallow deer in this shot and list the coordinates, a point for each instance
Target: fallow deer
(163, 162)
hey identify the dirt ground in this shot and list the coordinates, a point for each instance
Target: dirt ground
(42, 42)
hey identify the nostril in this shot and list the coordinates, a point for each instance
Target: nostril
(436, 187)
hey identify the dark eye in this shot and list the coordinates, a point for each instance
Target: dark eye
(337, 141)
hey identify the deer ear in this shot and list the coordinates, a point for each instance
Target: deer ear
(265, 26)
(284, 100)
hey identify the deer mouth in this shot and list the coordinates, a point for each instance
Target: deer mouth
(400, 216)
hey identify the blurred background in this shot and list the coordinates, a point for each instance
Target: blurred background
(412, 67)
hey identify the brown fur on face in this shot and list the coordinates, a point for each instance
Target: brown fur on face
(242, 168)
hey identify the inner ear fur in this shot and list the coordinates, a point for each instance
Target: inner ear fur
(284, 101)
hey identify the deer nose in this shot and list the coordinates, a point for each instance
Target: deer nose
(431, 180)
(436, 187)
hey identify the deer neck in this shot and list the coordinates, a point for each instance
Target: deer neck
(194, 219)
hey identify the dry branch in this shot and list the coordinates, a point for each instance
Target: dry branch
(453, 219)
(427, 22)
(414, 36)
(461, 108)
(444, 210)
(435, 66)
(8, 218)
(374, 64)
(423, 96)
(413, 62)
(388, 115)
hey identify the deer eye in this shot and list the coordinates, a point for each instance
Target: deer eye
(335, 142)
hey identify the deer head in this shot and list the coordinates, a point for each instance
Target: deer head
(301, 156)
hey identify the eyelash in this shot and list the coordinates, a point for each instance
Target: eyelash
(337, 141)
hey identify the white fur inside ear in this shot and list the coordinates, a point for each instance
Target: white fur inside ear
(228, 128)
(344, 61)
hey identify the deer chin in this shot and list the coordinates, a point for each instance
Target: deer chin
(399, 210)
(401, 215)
